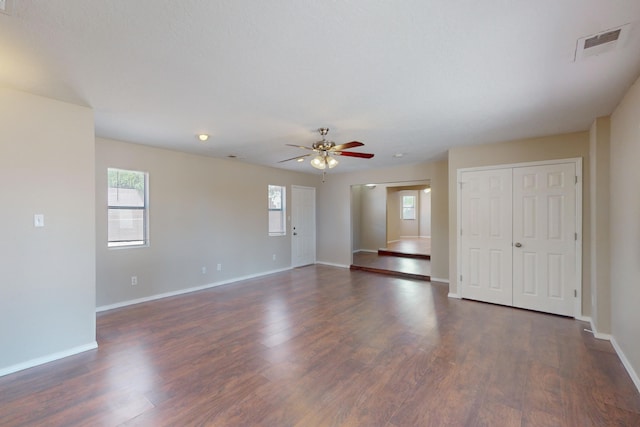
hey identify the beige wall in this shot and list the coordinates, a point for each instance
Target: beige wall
(409, 227)
(334, 197)
(371, 223)
(394, 223)
(625, 227)
(527, 150)
(202, 212)
(47, 275)
(356, 213)
(425, 213)
(599, 148)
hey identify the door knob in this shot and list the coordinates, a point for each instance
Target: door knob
(295, 234)
(518, 245)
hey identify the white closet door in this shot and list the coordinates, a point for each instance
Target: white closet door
(544, 227)
(485, 239)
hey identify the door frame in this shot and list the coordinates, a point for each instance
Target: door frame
(578, 166)
(293, 201)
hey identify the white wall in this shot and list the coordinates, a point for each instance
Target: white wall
(202, 212)
(625, 227)
(47, 275)
(334, 199)
(599, 150)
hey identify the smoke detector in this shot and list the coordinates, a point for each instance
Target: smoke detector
(598, 44)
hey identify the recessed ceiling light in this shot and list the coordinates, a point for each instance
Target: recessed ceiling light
(203, 137)
(398, 155)
(300, 160)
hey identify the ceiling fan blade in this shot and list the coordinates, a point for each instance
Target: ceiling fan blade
(300, 146)
(347, 145)
(353, 154)
(295, 158)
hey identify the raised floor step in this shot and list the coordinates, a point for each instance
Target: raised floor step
(392, 273)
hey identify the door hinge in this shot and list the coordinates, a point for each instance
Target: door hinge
(575, 236)
(576, 179)
(461, 277)
(461, 231)
(575, 293)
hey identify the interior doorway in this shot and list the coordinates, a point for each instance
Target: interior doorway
(391, 228)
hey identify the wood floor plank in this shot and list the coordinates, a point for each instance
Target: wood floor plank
(319, 346)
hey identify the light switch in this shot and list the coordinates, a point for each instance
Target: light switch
(38, 220)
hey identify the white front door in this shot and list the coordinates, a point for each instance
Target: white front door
(486, 236)
(303, 226)
(544, 235)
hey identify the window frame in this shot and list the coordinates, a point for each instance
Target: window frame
(282, 209)
(404, 209)
(128, 244)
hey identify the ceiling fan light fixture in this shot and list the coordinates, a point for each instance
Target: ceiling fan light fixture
(203, 137)
(300, 160)
(319, 163)
(331, 162)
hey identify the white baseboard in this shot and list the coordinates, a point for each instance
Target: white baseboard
(48, 358)
(623, 358)
(331, 264)
(425, 237)
(626, 363)
(597, 334)
(583, 318)
(452, 295)
(185, 291)
(365, 250)
(437, 279)
(392, 241)
(408, 237)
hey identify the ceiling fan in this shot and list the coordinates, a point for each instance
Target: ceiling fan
(326, 150)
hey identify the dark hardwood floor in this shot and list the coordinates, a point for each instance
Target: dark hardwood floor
(325, 346)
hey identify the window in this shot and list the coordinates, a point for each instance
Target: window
(408, 207)
(127, 205)
(277, 212)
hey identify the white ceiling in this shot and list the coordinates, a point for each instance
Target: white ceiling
(404, 76)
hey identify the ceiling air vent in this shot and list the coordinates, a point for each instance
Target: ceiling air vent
(600, 43)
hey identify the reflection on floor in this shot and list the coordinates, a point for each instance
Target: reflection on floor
(405, 258)
(411, 245)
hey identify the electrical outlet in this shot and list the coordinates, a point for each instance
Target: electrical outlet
(204, 270)
(38, 220)
(219, 267)
(134, 280)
